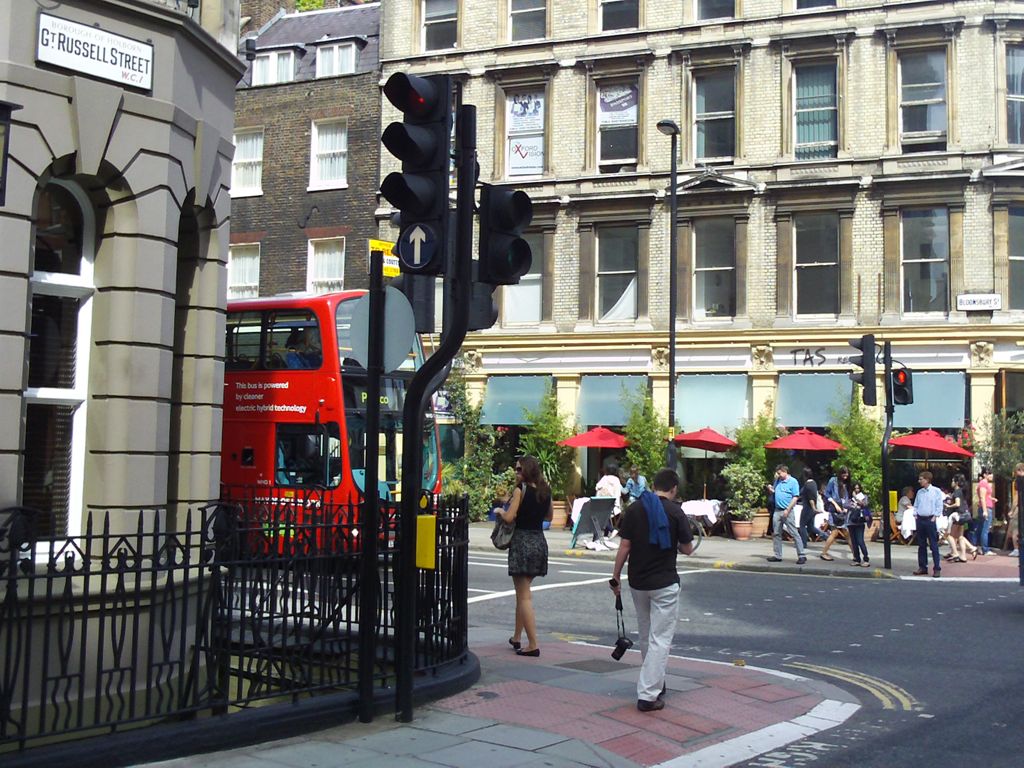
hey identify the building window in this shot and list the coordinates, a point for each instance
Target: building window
(274, 67)
(325, 270)
(714, 270)
(1016, 253)
(617, 257)
(247, 164)
(528, 19)
(617, 126)
(328, 162)
(816, 241)
(803, 5)
(715, 9)
(522, 303)
(923, 101)
(817, 111)
(715, 114)
(339, 59)
(1015, 94)
(61, 290)
(925, 241)
(244, 271)
(524, 121)
(619, 14)
(440, 24)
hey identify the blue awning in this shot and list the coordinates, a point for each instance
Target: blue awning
(809, 399)
(509, 397)
(601, 402)
(717, 400)
(940, 400)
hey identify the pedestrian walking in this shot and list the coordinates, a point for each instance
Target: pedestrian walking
(1012, 524)
(785, 494)
(528, 553)
(858, 518)
(808, 507)
(927, 508)
(958, 508)
(653, 531)
(986, 509)
(837, 493)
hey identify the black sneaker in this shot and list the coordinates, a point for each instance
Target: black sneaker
(650, 706)
(774, 559)
(801, 560)
(662, 694)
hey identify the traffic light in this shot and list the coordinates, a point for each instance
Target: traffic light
(902, 386)
(504, 254)
(419, 290)
(866, 361)
(422, 141)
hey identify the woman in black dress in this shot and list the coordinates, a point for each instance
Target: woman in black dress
(528, 553)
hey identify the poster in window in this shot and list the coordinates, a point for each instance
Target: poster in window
(525, 112)
(618, 105)
(525, 155)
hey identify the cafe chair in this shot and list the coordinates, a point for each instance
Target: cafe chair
(594, 517)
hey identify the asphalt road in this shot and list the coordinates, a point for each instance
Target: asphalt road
(936, 664)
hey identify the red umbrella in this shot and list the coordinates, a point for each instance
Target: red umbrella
(804, 440)
(707, 439)
(930, 440)
(598, 437)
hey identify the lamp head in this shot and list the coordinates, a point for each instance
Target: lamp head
(668, 127)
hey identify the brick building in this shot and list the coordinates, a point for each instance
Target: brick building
(844, 167)
(304, 177)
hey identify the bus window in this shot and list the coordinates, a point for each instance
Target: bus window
(243, 341)
(293, 340)
(307, 455)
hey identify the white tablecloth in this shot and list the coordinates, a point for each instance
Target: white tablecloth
(909, 525)
(708, 508)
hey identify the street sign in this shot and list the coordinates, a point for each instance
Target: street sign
(399, 329)
(391, 267)
(417, 247)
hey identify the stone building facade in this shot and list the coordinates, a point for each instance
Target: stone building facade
(115, 232)
(845, 167)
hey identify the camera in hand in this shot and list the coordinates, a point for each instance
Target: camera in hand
(622, 645)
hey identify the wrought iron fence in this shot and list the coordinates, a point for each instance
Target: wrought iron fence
(252, 599)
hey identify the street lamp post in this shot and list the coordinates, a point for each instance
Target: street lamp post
(669, 128)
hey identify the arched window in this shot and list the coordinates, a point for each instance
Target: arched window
(61, 290)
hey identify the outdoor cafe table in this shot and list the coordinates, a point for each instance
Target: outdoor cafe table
(706, 508)
(909, 524)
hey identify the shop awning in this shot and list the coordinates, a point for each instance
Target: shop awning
(601, 399)
(508, 398)
(717, 400)
(809, 399)
(940, 400)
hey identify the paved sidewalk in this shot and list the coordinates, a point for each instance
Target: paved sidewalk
(725, 553)
(574, 706)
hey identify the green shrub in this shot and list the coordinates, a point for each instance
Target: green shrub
(751, 437)
(861, 436)
(646, 433)
(546, 427)
(745, 489)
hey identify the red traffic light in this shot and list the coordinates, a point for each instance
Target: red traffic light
(899, 377)
(414, 96)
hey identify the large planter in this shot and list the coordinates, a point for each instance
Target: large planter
(761, 521)
(560, 514)
(742, 529)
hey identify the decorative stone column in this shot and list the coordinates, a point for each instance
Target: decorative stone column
(763, 380)
(660, 383)
(982, 375)
(476, 380)
(567, 390)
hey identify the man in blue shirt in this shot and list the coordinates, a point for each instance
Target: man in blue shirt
(785, 492)
(927, 508)
(635, 485)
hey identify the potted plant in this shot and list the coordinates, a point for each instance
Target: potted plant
(744, 493)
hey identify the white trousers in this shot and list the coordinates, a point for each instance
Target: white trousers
(656, 613)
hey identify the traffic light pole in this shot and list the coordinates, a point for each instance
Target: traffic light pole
(890, 410)
(422, 385)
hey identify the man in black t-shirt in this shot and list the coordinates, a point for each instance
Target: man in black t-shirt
(653, 530)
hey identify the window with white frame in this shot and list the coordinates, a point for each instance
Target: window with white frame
(61, 289)
(1015, 94)
(328, 157)
(617, 263)
(247, 164)
(619, 14)
(524, 121)
(244, 271)
(922, 100)
(816, 108)
(440, 24)
(617, 106)
(816, 243)
(325, 269)
(714, 267)
(1015, 289)
(802, 5)
(715, 9)
(336, 59)
(521, 303)
(925, 259)
(528, 19)
(715, 114)
(273, 67)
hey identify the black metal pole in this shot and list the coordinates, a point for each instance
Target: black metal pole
(369, 521)
(421, 387)
(890, 410)
(1019, 483)
(673, 289)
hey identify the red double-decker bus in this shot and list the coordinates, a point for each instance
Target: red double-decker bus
(295, 404)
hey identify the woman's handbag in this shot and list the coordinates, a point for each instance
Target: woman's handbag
(501, 536)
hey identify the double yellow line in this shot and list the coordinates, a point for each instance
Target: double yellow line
(891, 696)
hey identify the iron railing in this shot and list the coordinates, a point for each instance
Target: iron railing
(252, 599)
